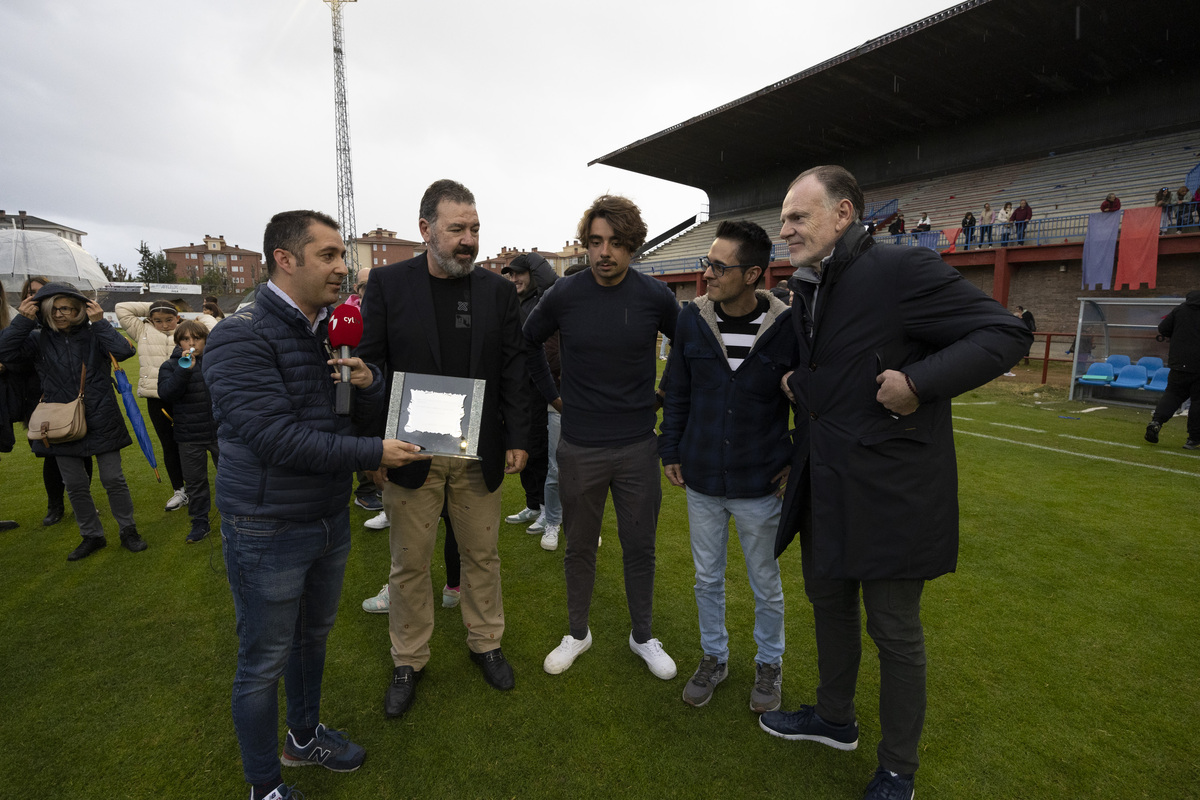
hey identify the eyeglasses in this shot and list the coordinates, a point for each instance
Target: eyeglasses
(62, 310)
(719, 269)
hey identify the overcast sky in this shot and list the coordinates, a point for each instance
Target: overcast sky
(165, 121)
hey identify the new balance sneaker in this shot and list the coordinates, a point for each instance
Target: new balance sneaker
(521, 517)
(655, 657)
(890, 786)
(550, 538)
(280, 792)
(380, 603)
(378, 522)
(699, 690)
(562, 657)
(177, 501)
(767, 694)
(196, 535)
(539, 524)
(1152, 432)
(805, 724)
(1192, 444)
(329, 749)
(450, 596)
(370, 502)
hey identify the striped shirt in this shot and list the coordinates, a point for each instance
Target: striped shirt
(738, 333)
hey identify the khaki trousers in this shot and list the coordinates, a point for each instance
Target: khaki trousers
(414, 513)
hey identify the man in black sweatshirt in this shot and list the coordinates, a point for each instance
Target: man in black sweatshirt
(608, 319)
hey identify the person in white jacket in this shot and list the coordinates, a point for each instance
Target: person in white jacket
(152, 328)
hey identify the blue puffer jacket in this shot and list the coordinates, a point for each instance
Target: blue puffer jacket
(284, 453)
(187, 393)
(57, 357)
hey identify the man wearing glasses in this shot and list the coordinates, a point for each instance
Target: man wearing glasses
(724, 439)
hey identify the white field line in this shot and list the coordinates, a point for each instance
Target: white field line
(1015, 427)
(981, 403)
(1079, 455)
(1095, 408)
(1123, 444)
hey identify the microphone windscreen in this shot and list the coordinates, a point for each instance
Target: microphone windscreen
(345, 326)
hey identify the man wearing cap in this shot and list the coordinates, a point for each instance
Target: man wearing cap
(724, 439)
(532, 275)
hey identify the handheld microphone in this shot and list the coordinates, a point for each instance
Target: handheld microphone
(345, 332)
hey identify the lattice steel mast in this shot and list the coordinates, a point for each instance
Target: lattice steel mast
(345, 175)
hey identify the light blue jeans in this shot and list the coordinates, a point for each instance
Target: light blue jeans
(552, 503)
(756, 518)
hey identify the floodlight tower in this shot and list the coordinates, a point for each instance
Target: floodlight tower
(345, 175)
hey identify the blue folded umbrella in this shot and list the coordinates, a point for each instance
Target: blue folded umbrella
(125, 388)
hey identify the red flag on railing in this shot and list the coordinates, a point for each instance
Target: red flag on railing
(1137, 248)
(951, 235)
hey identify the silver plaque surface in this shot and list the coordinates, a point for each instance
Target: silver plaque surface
(440, 414)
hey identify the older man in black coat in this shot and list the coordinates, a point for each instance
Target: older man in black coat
(887, 336)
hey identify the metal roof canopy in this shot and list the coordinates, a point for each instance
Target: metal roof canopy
(983, 62)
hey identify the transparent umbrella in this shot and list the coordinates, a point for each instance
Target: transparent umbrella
(25, 253)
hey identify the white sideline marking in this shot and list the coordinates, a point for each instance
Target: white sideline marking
(1015, 427)
(980, 403)
(1090, 410)
(965, 419)
(1080, 455)
(1123, 444)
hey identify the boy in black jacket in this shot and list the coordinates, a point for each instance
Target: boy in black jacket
(181, 383)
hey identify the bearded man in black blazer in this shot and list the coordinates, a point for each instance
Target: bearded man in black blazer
(438, 315)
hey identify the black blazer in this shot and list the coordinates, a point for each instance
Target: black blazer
(400, 335)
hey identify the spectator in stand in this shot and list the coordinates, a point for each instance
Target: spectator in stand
(1162, 199)
(923, 224)
(986, 218)
(1182, 327)
(1183, 209)
(1111, 203)
(897, 226)
(968, 226)
(181, 383)
(1002, 218)
(152, 328)
(74, 347)
(1020, 218)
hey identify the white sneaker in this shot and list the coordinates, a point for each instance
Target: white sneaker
(177, 501)
(539, 524)
(378, 522)
(655, 657)
(563, 656)
(380, 603)
(450, 596)
(550, 538)
(521, 517)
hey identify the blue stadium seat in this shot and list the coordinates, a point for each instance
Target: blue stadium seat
(1152, 364)
(1118, 362)
(1159, 382)
(1130, 377)
(1099, 373)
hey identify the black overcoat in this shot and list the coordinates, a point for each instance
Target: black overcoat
(883, 492)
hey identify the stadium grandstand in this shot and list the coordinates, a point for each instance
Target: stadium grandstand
(1097, 97)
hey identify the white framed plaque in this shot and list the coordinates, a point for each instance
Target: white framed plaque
(439, 413)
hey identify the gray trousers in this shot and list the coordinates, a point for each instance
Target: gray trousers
(79, 490)
(586, 475)
(193, 458)
(894, 624)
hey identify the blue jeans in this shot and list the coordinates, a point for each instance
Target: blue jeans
(553, 504)
(756, 518)
(286, 579)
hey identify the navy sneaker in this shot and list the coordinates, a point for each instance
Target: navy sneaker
(330, 749)
(805, 724)
(370, 502)
(280, 792)
(890, 786)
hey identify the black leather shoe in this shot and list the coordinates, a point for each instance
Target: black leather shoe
(8, 525)
(400, 692)
(53, 517)
(131, 541)
(89, 545)
(496, 669)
